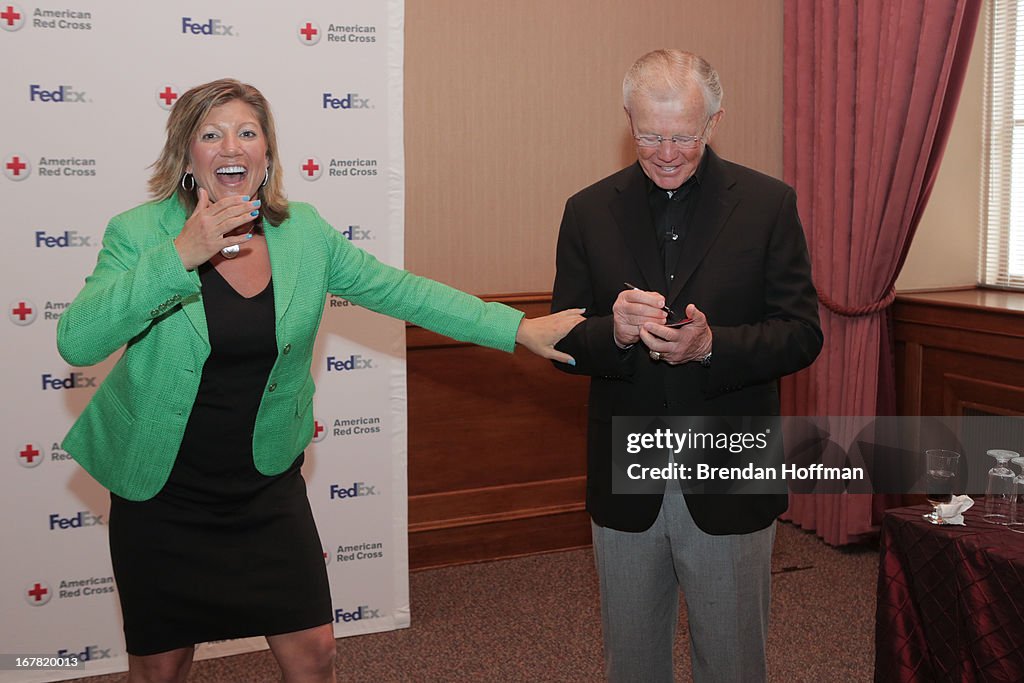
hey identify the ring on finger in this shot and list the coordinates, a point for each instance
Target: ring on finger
(655, 355)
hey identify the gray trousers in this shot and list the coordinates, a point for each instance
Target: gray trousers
(725, 580)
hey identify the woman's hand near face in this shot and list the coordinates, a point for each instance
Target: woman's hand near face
(205, 230)
(540, 335)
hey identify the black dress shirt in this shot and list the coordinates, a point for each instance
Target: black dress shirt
(671, 212)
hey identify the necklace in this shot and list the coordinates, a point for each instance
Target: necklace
(232, 251)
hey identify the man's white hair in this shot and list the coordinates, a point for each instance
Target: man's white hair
(664, 74)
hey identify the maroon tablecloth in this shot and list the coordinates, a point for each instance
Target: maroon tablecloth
(950, 601)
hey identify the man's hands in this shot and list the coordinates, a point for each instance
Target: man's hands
(633, 308)
(638, 316)
(679, 344)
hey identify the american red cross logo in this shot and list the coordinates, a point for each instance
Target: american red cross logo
(317, 429)
(309, 34)
(168, 96)
(22, 310)
(310, 167)
(38, 592)
(10, 15)
(16, 165)
(30, 453)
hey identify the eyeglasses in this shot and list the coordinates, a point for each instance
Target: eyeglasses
(681, 141)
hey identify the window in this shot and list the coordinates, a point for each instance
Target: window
(1002, 253)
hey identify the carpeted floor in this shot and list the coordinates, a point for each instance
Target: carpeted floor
(537, 618)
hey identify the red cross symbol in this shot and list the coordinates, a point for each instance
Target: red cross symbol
(308, 31)
(310, 167)
(30, 453)
(22, 311)
(317, 428)
(168, 96)
(16, 165)
(10, 15)
(38, 592)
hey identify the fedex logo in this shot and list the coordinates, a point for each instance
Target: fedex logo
(363, 612)
(357, 490)
(63, 94)
(69, 238)
(89, 654)
(211, 27)
(349, 101)
(354, 233)
(79, 521)
(353, 362)
(75, 380)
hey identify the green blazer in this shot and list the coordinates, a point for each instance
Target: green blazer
(140, 297)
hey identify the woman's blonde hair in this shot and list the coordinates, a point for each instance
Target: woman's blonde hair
(182, 125)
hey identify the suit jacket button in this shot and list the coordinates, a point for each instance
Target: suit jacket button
(272, 387)
(287, 349)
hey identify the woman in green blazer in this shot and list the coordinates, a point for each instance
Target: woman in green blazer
(215, 290)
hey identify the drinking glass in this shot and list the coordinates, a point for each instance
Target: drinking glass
(1018, 522)
(1000, 493)
(940, 470)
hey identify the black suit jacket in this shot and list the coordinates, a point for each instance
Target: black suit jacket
(744, 263)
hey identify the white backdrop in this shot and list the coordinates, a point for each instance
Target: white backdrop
(85, 98)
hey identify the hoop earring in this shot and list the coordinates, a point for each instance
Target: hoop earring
(266, 178)
(191, 180)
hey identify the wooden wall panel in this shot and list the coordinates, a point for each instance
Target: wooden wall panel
(497, 444)
(959, 352)
(497, 459)
(960, 349)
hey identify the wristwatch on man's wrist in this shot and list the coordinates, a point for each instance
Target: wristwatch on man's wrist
(705, 361)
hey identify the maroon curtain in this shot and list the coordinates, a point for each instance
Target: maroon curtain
(870, 89)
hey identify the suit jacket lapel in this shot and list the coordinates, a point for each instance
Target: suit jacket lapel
(632, 213)
(172, 221)
(714, 206)
(285, 247)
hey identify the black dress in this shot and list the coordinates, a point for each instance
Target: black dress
(222, 551)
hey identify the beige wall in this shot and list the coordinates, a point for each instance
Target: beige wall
(945, 249)
(510, 107)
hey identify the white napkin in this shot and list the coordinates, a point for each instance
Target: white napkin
(953, 511)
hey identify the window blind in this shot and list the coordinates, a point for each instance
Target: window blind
(1002, 252)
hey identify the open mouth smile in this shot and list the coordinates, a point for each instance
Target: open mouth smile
(231, 175)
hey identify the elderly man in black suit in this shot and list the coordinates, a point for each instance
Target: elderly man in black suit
(695, 233)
